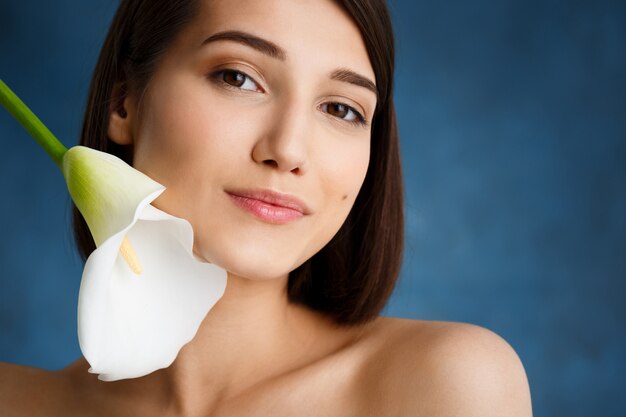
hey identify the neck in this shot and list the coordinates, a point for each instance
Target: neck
(252, 334)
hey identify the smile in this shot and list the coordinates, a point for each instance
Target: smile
(274, 211)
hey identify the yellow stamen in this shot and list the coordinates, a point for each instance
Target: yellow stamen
(129, 255)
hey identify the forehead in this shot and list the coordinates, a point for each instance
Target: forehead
(312, 32)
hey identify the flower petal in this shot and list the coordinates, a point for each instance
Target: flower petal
(130, 325)
(105, 189)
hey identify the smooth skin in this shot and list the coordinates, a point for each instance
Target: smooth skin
(281, 124)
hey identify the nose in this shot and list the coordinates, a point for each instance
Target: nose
(283, 145)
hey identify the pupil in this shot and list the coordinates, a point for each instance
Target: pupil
(235, 78)
(341, 107)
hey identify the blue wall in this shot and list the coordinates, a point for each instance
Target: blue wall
(512, 122)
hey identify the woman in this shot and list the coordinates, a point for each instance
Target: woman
(234, 104)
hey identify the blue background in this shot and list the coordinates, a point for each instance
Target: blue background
(513, 134)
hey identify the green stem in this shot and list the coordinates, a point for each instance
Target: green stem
(32, 124)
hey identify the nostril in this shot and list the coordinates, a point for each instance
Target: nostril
(297, 169)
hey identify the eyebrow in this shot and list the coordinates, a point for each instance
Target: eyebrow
(274, 51)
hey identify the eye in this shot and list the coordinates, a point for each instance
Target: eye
(341, 110)
(235, 79)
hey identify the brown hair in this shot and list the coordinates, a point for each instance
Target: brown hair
(353, 276)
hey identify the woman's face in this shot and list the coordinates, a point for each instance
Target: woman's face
(221, 117)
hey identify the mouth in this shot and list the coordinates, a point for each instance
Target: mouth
(269, 206)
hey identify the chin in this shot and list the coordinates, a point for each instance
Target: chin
(253, 264)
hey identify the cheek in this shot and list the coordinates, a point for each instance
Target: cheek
(342, 180)
(345, 175)
(186, 143)
(175, 134)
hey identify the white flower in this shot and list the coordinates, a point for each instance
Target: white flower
(143, 293)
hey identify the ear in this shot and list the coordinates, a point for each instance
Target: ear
(122, 115)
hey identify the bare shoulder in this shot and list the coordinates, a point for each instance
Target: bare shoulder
(428, 368)
(26, 390)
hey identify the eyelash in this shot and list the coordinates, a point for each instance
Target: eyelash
(216, 76)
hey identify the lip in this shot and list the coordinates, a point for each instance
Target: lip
(270, 206)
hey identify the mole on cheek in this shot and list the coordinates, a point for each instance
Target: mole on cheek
(344, 197)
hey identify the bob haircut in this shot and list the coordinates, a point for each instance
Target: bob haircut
(352, 277)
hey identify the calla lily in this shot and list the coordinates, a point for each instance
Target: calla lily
(143, 292)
